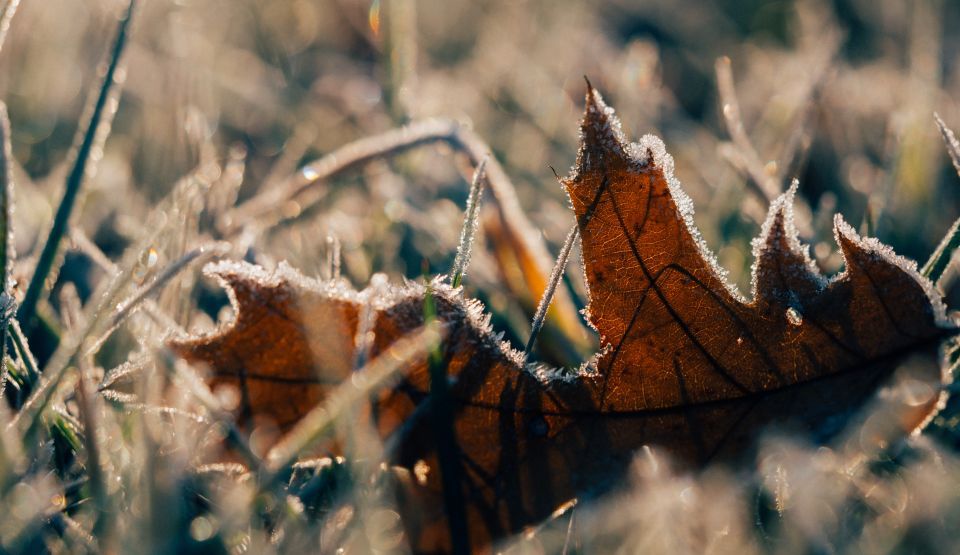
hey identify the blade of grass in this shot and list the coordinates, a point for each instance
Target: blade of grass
(87, 405)
(374, 375)
(555, 277)
(940, 259)
(92, 134)
(29, 417)
(333, 258)
(470, 220)
(448, 450)
(23, 350)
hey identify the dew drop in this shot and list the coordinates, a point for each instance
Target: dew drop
(309, 173)
(794, 317)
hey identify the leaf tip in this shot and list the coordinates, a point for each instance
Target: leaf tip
(847, 238)
(601, 137)
(782, 264)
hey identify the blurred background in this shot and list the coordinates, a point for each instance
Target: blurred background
(225, 101)
(839, 94)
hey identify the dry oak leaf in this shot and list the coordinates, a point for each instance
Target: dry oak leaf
(688, 364)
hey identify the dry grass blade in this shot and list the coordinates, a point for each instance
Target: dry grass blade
(374, 375)
(548, 294)
(343, 159)
(949, 139)
(470, 221)
(28, 419)
(89, 418)
(24, 354)
(943, 254)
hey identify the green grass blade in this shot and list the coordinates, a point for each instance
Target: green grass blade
(448, 450)
(90, 137)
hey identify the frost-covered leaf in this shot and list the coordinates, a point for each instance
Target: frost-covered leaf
(689, 366)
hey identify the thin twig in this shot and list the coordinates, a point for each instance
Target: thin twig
(92, 134)
(555, 278)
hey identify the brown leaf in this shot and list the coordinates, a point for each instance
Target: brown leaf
(689, 365)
